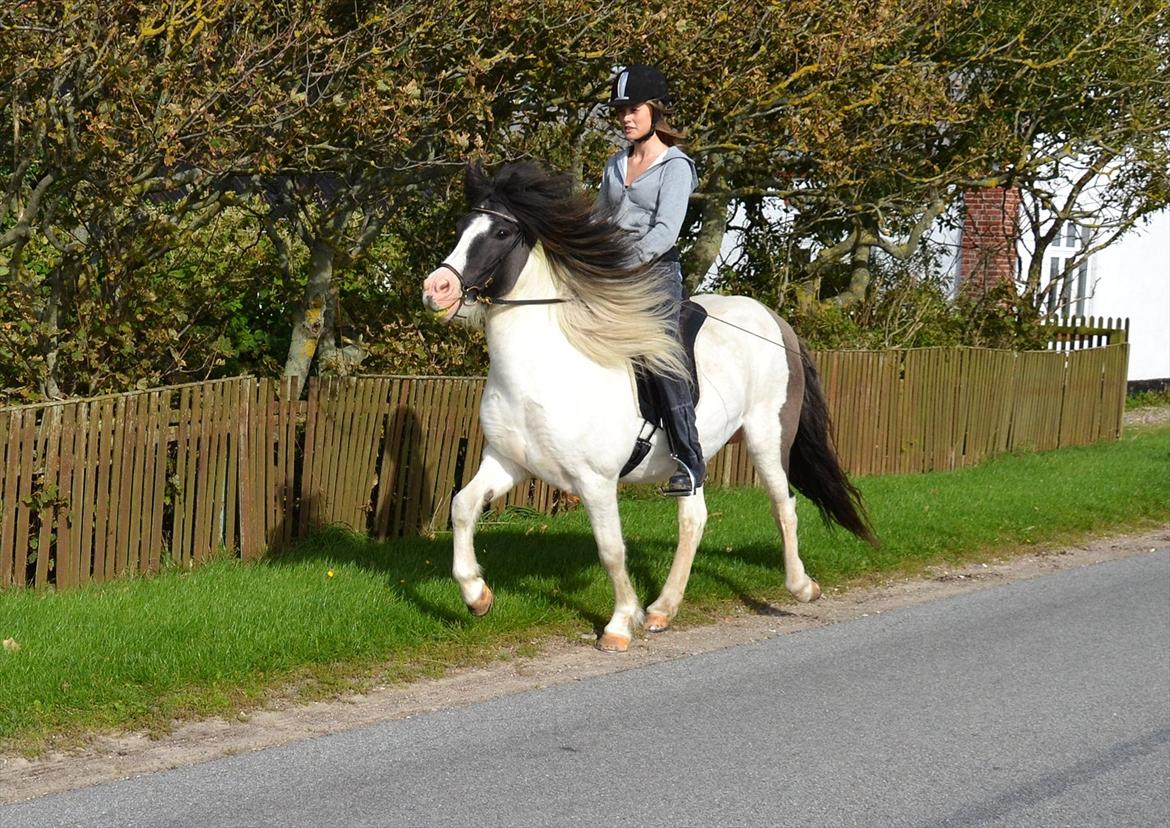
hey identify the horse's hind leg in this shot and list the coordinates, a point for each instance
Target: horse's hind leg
(692, 518)
(601, 503)
(496, 475)
(764, 444)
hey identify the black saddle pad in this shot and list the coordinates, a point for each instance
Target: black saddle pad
(691, 321)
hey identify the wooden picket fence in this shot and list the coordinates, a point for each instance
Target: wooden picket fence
(97, 488)
(94, 489)
(1072, 333)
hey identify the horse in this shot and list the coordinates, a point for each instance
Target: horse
(568, 314)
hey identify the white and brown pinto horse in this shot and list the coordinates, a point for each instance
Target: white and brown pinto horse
(560, 401)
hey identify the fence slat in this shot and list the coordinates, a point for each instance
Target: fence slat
(79, 498)
(309, 458)
(288, 448)
(443, 428)
(103, 434)
(156, 433)
(23, 496)
(234, 450)
(332, 413)
(136, 504)
(201, 531)
(266, 451)
(417, 426)
(66, 556)
(369, 459)
(10, 431)
(358, 474)
(48, 457)
(390, 469)
(159, 448)
(249, 440)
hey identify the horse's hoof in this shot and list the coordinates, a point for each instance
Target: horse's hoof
(483, 606)
(810, 593)
(657, 622)
(613, 643)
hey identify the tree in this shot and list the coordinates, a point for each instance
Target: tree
(124, 130)
(133, 128)
(157, 154)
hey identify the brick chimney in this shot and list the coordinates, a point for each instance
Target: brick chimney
(987, 253)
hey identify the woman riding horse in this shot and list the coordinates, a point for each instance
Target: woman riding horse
(644, 190)
(566, 316)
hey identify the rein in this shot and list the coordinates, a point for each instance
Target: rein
(473, 295)
(753, 333)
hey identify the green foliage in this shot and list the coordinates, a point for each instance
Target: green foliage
(1148, 399)
(342, 611)
(218, 174)
(909, 304)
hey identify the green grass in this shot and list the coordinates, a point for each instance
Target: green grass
(140, 653)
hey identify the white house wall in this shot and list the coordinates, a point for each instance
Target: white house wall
(1132, 278)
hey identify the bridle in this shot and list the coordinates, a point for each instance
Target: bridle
(473, 294)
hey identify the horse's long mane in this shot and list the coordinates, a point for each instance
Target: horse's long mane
(621, 310)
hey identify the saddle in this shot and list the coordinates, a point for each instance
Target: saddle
(691, 319)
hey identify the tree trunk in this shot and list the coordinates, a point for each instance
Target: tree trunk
(309, 323)
(859, 277)
(332, 358)
(50, 335)
(713, 217)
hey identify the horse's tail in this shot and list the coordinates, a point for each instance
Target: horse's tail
(813, 467)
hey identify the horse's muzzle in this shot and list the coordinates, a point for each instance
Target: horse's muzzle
(442, 293)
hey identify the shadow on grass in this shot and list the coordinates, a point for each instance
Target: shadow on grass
(745, 573)
(553, 570)
(558, 572)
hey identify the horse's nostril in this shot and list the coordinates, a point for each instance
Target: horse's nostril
(441, 287)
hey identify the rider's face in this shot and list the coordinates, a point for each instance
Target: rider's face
(635, 120)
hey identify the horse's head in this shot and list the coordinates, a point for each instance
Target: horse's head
(491, 250)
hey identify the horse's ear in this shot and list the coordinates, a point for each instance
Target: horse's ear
(476, 183)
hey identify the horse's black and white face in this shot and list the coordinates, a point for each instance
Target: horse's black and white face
(484, 265)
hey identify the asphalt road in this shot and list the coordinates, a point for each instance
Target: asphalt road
(1041, 702)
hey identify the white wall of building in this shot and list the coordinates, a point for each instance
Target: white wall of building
(1132, 278)
(1129, 279)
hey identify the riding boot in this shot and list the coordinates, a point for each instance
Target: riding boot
(678, 414)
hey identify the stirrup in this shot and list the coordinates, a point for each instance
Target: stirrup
(680, 484)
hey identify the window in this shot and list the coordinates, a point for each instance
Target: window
(1053, 275)
(1082, 286)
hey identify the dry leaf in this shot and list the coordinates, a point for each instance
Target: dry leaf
(10, 645)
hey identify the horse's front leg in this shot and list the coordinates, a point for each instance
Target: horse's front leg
(496, 475)
(692, 518)
(601, 503)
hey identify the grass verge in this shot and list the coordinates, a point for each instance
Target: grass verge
(342, 611)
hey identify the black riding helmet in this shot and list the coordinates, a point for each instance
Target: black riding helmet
(637, 84)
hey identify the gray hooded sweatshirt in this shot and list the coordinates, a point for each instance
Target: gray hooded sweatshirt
(653, 207)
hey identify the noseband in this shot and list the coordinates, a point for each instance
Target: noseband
(473, 294)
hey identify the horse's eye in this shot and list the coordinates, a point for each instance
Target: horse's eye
(501, 233)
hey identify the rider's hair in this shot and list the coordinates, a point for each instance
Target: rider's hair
(668, 134)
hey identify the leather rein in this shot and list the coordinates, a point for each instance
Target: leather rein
(473, 294)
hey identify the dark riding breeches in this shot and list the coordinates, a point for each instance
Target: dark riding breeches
(675, 399)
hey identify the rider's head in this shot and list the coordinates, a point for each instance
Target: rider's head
(639, 98)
